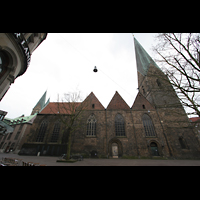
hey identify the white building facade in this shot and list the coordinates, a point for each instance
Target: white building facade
(15, 56)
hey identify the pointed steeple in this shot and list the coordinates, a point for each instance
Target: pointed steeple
(93, 103)
(40, 104)
(143, 59)
(117, 102)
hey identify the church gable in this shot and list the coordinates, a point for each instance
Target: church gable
(91, 102)
(117, 102)
(141, 103)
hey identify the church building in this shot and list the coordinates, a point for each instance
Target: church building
(155, 125)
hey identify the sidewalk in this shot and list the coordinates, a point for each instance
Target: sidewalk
(51, 161)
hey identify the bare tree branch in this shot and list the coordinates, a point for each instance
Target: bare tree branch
(69, 112)
(179, 54)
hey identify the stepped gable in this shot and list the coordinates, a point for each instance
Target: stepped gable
(141, 103)
(92, 103)
(117, 103)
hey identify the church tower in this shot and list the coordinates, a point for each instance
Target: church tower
(40, 104)
(155, 86)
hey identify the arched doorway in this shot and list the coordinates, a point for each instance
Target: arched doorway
(154, 149)
(114, 150)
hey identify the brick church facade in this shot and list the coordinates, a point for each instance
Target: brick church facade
(155, 125)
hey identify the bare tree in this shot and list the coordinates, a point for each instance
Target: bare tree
(179, 55)
(69, 112)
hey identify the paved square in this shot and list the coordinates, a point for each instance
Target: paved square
(51, 161)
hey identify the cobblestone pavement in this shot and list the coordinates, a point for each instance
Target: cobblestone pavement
(51, 161)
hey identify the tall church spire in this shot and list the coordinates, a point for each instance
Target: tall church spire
(40, 104)
(143, 59)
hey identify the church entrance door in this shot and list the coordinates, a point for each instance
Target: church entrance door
(115, 150)
(154, 149)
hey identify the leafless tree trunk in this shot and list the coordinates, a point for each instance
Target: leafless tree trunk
(69, 111)
(179, 55)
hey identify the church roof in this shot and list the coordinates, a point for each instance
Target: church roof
(117, 102)
(141, 103)
(92, 103)
(194, 119)
(60, 108)
(143, 59)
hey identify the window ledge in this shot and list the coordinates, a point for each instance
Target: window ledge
(150, 136)
(121, 136)
(90, 136)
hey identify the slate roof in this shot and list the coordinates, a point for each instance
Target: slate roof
(143, 59)
(117, 102)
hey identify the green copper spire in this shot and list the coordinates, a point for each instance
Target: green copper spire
(42, 100)
(40, 104)
(143, 59)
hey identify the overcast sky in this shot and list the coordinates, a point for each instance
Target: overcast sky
(64, 63)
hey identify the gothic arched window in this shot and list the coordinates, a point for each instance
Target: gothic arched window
(91, 125)
(119, 125)
(42, 131)
(148, 126)
(55, 134)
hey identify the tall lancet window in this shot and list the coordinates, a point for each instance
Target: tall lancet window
(56, 130)
(42, 131)
(119, 125)
(148, 126)
(91, 125)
